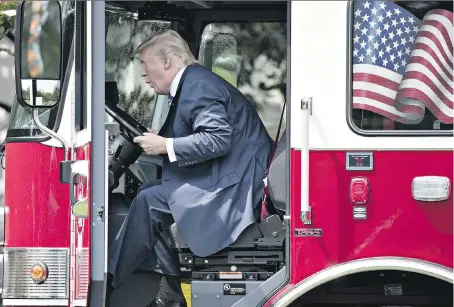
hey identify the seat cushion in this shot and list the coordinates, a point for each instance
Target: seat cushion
(277, 176)
(247, 238)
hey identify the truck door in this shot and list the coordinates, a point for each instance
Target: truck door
(88, 184)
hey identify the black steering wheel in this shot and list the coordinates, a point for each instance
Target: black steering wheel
(132, 127)
(124, 151)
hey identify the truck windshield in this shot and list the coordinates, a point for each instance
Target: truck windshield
(21, 124)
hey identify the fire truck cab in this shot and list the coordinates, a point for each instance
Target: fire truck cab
(360, 184)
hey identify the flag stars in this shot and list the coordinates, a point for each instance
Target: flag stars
(363, 44)
(357, 25)
(383, 35)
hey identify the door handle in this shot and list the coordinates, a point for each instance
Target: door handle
(79, 206)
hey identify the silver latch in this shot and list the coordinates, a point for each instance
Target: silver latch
(306, 104)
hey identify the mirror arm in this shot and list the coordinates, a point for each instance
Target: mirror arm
(51, 133)
(34, 92)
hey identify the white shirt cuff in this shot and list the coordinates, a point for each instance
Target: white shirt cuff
(170, 151)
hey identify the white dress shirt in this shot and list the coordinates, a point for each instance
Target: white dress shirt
(173, 91)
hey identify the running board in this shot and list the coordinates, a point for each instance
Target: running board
(218, 293)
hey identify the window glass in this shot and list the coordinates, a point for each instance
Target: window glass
(21, 123)
(402, 54)
(252, 56)
(124, 34)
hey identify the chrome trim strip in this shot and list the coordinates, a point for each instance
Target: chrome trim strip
(17, 283)
(31, 302)
(2, 225)
(2, 273)
(365, 265)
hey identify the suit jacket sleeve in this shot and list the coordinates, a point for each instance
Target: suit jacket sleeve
(205, 110)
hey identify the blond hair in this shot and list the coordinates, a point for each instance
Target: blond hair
(168, 43)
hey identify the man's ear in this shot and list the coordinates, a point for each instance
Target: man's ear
(167, 62)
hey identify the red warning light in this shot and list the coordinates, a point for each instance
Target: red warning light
(359, 190)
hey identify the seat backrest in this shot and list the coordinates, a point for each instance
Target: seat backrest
(277, 176)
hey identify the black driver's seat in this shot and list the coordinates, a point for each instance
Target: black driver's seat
(260, 245)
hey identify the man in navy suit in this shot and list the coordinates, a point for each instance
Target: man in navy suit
(215, 151)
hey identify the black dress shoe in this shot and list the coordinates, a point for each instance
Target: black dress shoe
(160, 302)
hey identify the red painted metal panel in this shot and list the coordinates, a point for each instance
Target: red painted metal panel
(36, 203)
(396, 224)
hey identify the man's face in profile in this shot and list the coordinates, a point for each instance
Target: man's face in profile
(155, 71)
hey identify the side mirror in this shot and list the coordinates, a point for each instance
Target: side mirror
(38, 57)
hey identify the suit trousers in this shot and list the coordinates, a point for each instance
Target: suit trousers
(143, 241)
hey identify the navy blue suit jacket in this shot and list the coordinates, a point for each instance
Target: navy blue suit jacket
(214, 189)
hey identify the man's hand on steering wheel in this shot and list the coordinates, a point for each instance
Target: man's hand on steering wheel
(152, 143)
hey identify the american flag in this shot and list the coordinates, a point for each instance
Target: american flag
(402, 65)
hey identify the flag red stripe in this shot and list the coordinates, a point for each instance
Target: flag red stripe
(421, 96)
(443, 31)
(437, 43)
(375, 96)
(433, 55)
(442, 12)
(423, 78)
(424, 62)
(376, 79)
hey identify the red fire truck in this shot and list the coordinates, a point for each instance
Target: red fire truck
(360, 185)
